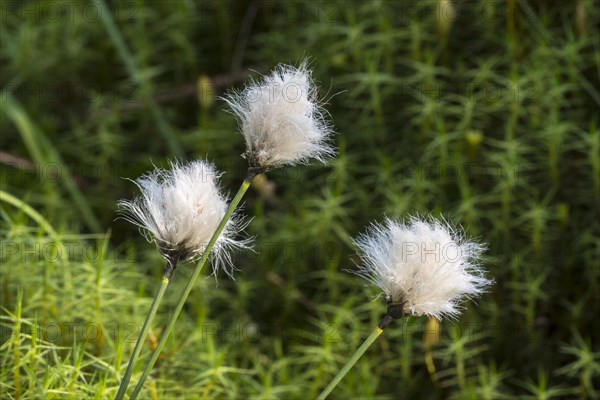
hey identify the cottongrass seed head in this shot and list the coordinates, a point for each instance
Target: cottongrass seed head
(179, 209)
(425, 265)
(281, 119)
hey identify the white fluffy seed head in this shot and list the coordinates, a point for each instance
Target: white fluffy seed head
(425, 265)
(179, 209)
(281, 119)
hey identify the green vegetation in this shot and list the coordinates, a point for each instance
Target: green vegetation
(485, 111)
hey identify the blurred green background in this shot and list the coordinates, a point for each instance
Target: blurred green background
(483, 111)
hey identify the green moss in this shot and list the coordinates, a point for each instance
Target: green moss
(491, 120)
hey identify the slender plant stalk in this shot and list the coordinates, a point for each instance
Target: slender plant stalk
(359, 352)
(144, 332)
(32, 213)
(192, 281)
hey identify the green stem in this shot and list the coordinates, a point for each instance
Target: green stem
(188, 288)
(33, 214)
(340, 375)
(144, 332)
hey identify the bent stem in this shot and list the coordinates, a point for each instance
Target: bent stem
(252, 172)
(145, 328)
(340, 375)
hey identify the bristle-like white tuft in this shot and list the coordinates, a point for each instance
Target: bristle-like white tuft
(425, 265)
(179, 209)
(281, 119)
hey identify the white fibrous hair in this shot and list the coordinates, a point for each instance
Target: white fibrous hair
(281, 119)
(425, 265)
(179, 210)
